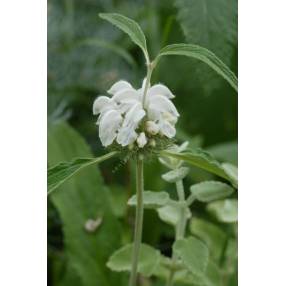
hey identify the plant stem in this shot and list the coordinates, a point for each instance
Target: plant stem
(183, 218)
(138, 221)
(148, 78)
(180, 227)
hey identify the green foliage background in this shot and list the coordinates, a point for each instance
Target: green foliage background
(86, 55)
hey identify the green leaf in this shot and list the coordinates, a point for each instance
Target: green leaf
(211, 234)
(176, 175)
(225, 152)
(149, 259)
(194, 254)
(203, 55)
(130, 27)
(81, 199)
(151, 199)
(211, 190)
(232, 172)
(200, 159)
(213, 25)
(171, 214)
(65, 170)
(225, 210)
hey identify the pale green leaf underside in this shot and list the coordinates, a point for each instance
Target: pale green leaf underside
(203, 55)
(176, 175)
(63, 171)
(225, 210)
(149, 259)
(194, 254)
(231, 171)
(201, 159)
(211, 190)
(151, 199)
(171, 214)
(214, 237)
(128, 26)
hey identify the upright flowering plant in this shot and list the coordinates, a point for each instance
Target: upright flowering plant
(138, 122)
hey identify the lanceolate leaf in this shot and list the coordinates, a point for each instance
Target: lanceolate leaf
(149, 259)
(63, 171)
(84, 198)
(211, 190)
(194, 254)
(128, 26)
(201, 54)
(201, 159)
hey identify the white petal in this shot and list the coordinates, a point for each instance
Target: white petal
(133, 116)
(101, 104)
(126, 136)
(169, 117)
(119, 85)
(167, 129)
(141, 140)
(160, 89)
(163, 104)
(125, 95)
(108, 127)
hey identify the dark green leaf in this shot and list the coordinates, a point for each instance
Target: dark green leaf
(81, 199)
(201, 159)
(211, 24)
(63, 171)
(204, 55)
(128, 26)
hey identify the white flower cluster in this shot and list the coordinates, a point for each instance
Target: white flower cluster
(121, 115)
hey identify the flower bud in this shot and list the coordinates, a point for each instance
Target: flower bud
(152, 128)
(141, 140)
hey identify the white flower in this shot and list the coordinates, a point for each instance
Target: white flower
(141, 140)
(121, 115)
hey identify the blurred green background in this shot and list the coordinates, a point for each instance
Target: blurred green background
(86, 55)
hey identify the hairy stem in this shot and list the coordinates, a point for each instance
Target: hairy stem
(183, 219)
(138, 221)
(148, 78)
(180, 228)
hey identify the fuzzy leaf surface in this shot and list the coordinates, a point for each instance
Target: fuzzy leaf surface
(64, 170)
(151, 199)
(194, 254)
(128, 26)
(201, 159)
(211, 24)
(203, 55)
(225, 210)
(149, 259)
(210, 191)
(82, 198)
